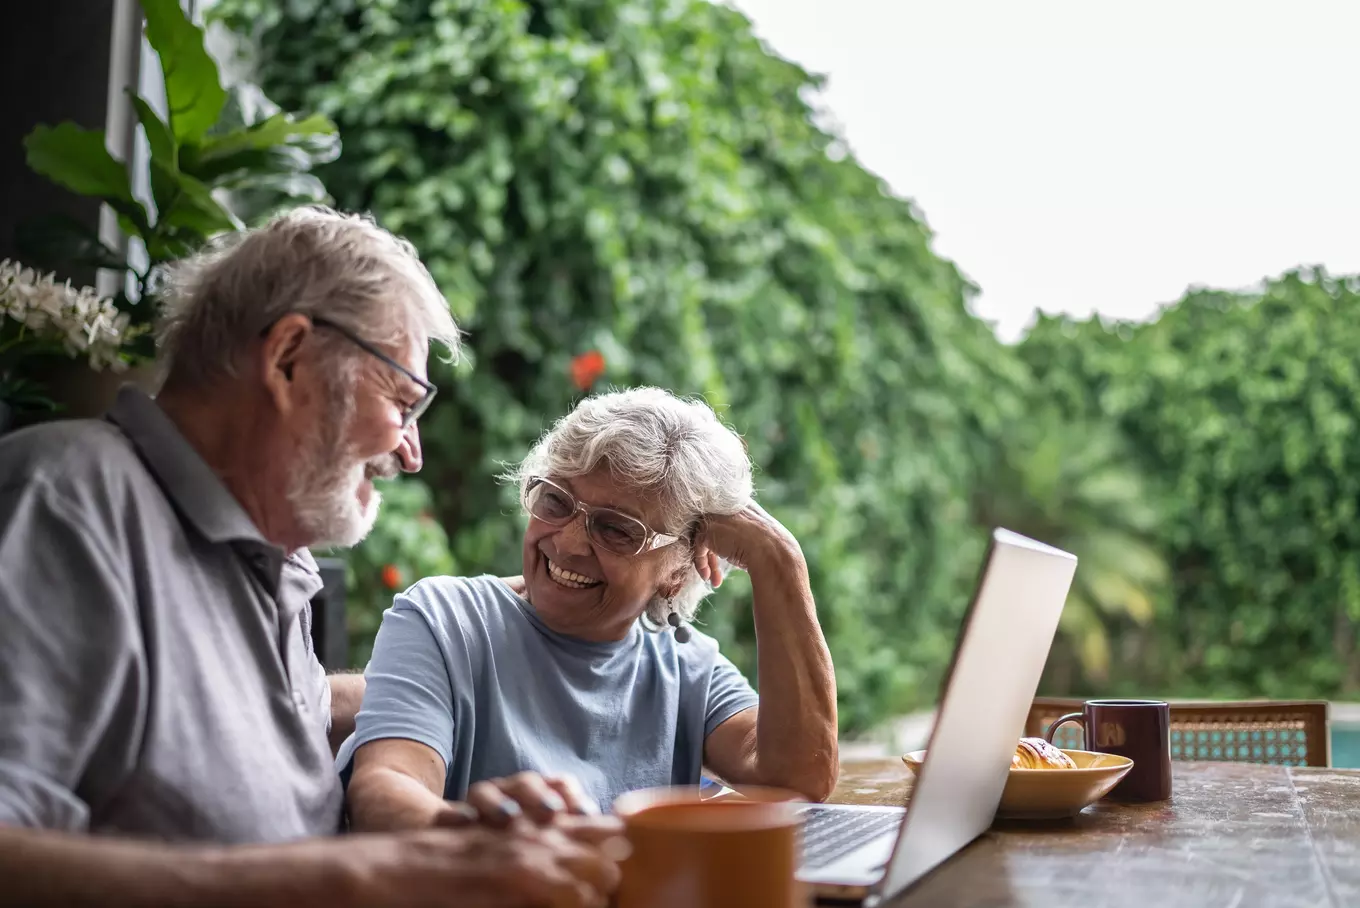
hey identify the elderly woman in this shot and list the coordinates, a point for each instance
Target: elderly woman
(584, 669)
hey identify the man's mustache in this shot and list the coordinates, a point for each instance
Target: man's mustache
(385, 467)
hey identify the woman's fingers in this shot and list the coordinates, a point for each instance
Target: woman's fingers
(701, 559)
(495, 807)
(577, 801)
(500, 802)
(456, 815)
(715, 572)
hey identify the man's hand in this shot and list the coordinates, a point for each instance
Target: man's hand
(474, 867)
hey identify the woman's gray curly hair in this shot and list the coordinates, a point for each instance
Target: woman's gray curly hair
(659, 446)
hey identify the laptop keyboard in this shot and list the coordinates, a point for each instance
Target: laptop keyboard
(829, 833)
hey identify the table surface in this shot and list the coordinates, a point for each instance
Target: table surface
(1233, 835)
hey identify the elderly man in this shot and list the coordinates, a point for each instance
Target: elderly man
(157, 684)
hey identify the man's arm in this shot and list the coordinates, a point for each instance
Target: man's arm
(42, 868)
(71, 686)
(72, 665)
(465, 868)
(347, 695)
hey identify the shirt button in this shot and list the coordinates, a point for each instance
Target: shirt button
(299, 699)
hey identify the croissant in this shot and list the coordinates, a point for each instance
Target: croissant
(1036, 753)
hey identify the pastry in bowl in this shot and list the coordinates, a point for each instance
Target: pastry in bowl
(1036, 753)
(1033, 794)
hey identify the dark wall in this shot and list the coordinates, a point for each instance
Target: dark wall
(54, 66)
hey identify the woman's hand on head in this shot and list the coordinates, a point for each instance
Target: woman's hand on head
(749, 537)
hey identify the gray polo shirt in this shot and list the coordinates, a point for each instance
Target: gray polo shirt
(156, 672)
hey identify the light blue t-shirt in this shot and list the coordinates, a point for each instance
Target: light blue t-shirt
(468, 668)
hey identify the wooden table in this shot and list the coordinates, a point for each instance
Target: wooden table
(1233, 835)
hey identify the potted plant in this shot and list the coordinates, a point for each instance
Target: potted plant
(224, 157)
(41, 318)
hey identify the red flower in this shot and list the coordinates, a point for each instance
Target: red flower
(391, 576)
(586, 369)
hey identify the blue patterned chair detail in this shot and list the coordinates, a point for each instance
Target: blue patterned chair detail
(1282, 732)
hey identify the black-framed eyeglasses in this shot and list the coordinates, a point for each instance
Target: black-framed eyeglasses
(614, 531)
(409, 414)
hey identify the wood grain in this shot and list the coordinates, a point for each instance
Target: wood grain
(1233, 835)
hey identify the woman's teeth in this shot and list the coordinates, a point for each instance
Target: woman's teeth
(570, 579)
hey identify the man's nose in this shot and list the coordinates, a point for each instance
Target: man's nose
(408, 452)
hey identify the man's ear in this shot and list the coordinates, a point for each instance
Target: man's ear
(279, 350)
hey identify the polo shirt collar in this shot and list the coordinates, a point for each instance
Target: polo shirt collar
(196, 492)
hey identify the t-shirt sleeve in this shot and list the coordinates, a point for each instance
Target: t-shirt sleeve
(69, 701)
(409, 693)
(728, 694)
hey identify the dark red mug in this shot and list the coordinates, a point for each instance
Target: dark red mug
(1137, 729)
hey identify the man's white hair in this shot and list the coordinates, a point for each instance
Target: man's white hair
(313, 261)
(660, 447)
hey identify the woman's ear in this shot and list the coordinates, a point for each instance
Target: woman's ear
(675, 580)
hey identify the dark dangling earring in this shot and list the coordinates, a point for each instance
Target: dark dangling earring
(682, 634)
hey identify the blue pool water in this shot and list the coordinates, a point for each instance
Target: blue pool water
(1345, 746)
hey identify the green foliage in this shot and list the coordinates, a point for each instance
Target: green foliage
(224, 157)
(406, 543)
(1073, 484)
(644, 179)
(193, 91)
(1243, 409)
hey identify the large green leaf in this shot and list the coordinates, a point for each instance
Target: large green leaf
(279, 129)
(245, 166)
(164, 150)
(194, 208)
(192, 85)
(166, 189)
(77, 159)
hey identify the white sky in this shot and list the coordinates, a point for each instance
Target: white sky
(1099, 156)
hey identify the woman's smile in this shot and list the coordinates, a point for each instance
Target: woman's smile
(569, 579)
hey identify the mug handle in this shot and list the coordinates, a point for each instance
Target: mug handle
(1079, 718)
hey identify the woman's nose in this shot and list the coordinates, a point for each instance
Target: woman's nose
(572, 539)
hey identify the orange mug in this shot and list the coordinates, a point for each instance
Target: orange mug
(737, 852)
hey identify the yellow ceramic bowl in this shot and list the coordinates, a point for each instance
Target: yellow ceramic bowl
(1049, 794)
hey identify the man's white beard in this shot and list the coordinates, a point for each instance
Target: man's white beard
(324, 493)
(329, 510)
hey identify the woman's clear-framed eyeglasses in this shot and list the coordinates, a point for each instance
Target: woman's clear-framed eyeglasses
(614, 531)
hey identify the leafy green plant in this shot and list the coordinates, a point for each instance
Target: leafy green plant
(406, 544)
(221, 158)
(1242, 408)
(1074, 485)
(647, 182)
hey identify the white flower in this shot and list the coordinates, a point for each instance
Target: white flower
(86, 324)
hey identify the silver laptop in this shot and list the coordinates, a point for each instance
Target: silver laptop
(873, 853)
